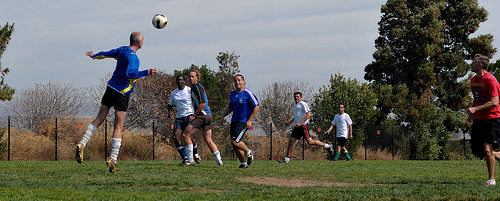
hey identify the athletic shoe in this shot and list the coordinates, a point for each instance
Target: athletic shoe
(186, 163)
(112, 165)
(330, 150)
(79, 153)
(250, 157)
(282, 161)
(220, 164)
(197, 159)
(491, 182)
(243, 166)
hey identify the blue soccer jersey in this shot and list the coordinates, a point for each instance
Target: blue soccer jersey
(126, 71)
(242, 104)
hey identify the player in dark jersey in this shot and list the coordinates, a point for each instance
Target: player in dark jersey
(200, 120)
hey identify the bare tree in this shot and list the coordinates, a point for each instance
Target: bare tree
(33, 106)
(95, 96)
(276, 103)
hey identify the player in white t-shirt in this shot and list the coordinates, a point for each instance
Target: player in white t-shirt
(301, 114)
(181, 98)
(343, 123)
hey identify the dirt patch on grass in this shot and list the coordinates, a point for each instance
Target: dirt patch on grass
(294, 182)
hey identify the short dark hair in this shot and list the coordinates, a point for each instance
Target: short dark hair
(181, 75)
(297, 93)
(483, 60)
(239, 75)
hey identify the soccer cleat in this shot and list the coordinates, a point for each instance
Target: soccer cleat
(112, 165)
(330, 150)
(491, 182)
(282, 161)
(197, 159)
(220, 164)
(186, 163)
(79, 153)
(243, 166)
(250, 157)
(336, 156)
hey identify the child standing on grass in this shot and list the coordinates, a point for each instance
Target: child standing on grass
(342, 121)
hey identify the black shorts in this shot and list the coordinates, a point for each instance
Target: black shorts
(484, 131)
(202, 122)
(299, 132)
(238, 130)
(113, 98)
(341, 141)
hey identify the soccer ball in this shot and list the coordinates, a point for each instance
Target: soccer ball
(159, 21)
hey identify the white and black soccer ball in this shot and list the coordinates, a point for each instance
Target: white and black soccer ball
(159, 21)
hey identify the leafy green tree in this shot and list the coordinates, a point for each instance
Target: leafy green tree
(359, 100)
(6, 31)
(6, 92)
(494, 69)
(422, 48)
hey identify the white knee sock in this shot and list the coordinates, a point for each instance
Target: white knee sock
(116, 143)
(88, 134)
(189, 152)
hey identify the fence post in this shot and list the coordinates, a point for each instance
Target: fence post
(393, 145)
(8, 134)
(271, 141)
(465, 153)
(106, 139)
(56, 141)
(366, 141)
(153, 139)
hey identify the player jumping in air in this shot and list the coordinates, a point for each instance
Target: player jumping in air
(117, 94)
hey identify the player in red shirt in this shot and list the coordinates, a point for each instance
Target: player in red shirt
(485, 115)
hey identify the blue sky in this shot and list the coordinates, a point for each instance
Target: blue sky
(277, 40)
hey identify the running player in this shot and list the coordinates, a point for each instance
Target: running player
(200, 120)
(244, 105)
(301, 115)
(181, 98)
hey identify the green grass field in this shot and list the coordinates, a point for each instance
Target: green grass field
(263, 180)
